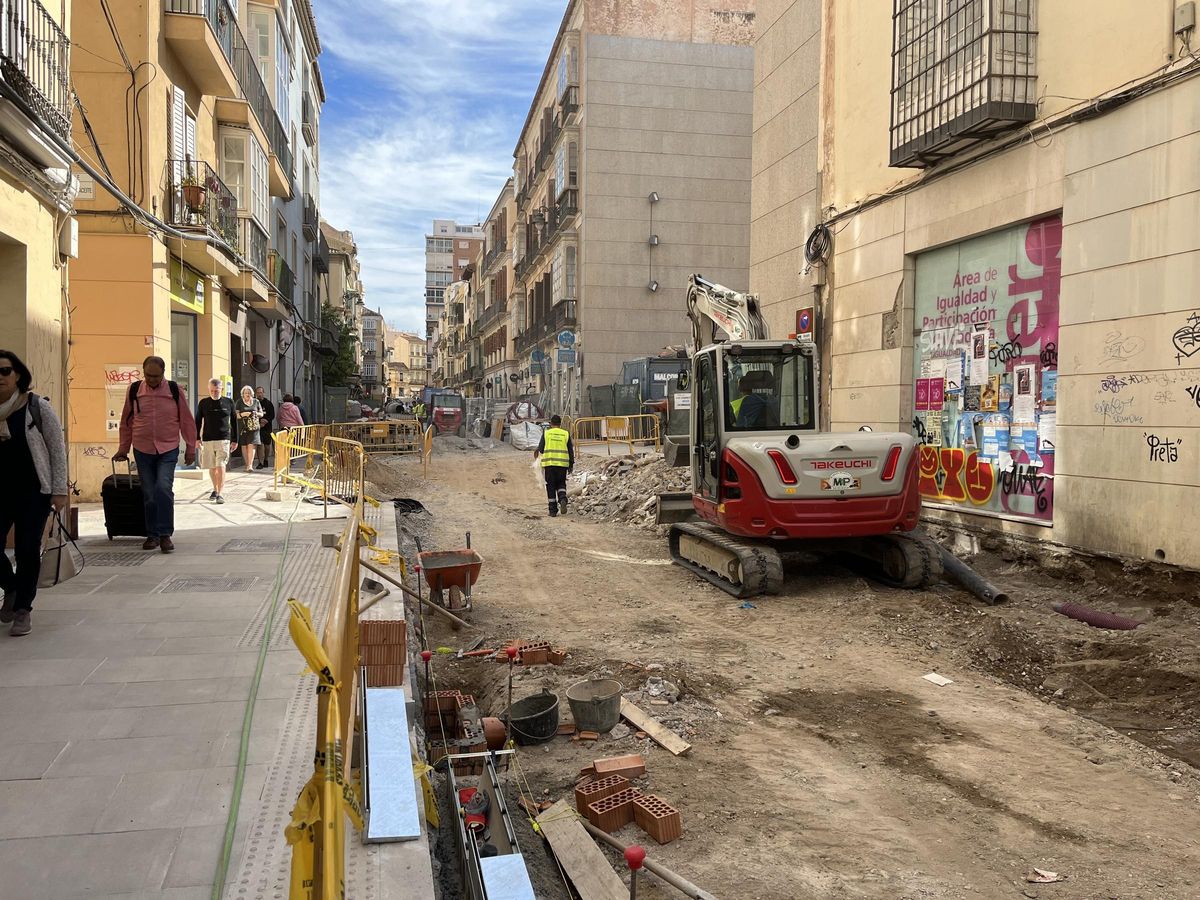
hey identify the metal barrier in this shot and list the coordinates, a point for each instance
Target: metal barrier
(342, 478)
(624, 430)
(390, 436)
(317, 831)
(301, 446)
(426, 449)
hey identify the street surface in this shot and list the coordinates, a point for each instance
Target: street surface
(823, 765)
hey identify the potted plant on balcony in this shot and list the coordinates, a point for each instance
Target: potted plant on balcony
(194, 193)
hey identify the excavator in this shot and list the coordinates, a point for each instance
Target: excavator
(767, 481)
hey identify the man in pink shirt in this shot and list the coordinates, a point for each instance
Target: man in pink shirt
(155, 416)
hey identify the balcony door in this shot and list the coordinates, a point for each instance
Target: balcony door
(183, 151)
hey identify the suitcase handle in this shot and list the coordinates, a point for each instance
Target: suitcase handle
(128, 470)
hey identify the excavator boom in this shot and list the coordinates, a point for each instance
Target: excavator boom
(734, 313)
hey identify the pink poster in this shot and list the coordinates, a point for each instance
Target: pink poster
(937, 393)
(923, 394)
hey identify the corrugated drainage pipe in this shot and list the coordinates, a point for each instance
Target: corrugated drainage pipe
(1095, 617)
(970, 579)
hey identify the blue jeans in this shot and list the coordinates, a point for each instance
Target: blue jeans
(157, 472)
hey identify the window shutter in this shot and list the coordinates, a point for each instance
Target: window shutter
(178, 126)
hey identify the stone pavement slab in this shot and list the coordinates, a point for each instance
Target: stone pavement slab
(121, 714)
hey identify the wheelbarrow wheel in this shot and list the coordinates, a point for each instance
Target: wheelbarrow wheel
(456, 604)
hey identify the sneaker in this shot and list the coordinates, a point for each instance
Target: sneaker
(166, 545)
(150, 543)
(6, 611)
(213, 496)
(219, 499)
(21, 624)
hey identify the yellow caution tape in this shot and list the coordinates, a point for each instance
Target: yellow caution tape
(421, 771)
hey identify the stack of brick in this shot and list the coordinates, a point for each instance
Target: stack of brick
(383, 649)
(535, 653)
(452, 726)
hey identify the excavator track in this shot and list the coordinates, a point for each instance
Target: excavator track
(741, 568)
(901, 560)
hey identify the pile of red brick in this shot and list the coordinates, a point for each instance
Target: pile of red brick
(610, 802)
(382, 646)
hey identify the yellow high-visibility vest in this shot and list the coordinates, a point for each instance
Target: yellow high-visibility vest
(555, 453)
(736, 406)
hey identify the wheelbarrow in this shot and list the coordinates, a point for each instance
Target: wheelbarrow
(450, 575)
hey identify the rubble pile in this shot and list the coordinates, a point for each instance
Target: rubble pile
(624, 488)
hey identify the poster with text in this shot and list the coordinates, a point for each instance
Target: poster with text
(117, 379)
(1000, 290)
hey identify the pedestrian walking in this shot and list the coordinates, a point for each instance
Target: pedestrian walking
(33, 460)
(268, 417)
(249, 414)
(300, 407)
(289, 413)
(557, 452)
(153, 420)
(214, 421)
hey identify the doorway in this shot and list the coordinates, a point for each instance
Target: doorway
(183, 355)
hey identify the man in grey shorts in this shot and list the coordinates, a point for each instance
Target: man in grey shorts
(214, 422)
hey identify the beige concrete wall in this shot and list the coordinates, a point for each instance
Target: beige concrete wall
(783, 196)
(1085, 48)
(689, 21)
(648, 107)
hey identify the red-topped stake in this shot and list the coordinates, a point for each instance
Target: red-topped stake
(635, 856)
(511, 653)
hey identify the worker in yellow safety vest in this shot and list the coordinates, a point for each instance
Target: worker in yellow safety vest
(557, 453)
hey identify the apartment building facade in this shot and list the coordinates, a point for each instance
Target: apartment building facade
(340, 297)
(632, 172)
(406, 363)
(374, 357)
(449, 249)
(36, 191)
(205, 145)
(1005, 251)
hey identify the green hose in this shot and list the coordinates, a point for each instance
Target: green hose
(239, 778)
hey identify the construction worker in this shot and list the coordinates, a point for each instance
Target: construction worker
(557, 452)
(419, 411)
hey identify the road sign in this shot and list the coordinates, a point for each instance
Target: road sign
(566, 338)
(805, 324)
(566, 357)
(537, 356)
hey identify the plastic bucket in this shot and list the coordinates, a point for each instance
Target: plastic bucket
(595, 705)
(535, 719)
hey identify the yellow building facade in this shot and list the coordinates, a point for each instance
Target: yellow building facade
(36, 191)
(200, 146)
(1001, 237)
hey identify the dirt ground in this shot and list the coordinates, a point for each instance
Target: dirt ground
(823, 765)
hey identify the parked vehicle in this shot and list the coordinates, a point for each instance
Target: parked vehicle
(447, 413)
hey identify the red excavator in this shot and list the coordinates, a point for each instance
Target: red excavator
(766, 480)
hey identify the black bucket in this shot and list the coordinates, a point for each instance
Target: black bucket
(534, 720)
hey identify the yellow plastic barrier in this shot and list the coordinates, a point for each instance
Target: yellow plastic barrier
(627, 431)
(317, 832)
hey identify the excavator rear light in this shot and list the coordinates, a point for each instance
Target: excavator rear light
(891, 464)
(782, 466)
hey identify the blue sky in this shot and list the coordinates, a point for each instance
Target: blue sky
(425, 104)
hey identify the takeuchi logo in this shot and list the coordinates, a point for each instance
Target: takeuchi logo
(823, 465)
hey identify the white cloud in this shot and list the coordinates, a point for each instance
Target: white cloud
(425, 102)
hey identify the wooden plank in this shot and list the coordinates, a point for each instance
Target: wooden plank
(579, 856)
(643, 721)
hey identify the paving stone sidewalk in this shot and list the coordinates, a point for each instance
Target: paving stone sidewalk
(121, 714)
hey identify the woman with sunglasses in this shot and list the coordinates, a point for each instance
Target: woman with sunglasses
(33, 458)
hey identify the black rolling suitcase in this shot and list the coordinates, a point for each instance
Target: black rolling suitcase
(124, 509)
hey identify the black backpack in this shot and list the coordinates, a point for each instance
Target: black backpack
(134, 405)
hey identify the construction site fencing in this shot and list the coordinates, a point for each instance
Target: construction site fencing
(394, 436)
(342, 474)
(624, 431)
(317, 832)
(298, 454)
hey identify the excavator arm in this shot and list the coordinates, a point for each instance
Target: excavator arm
(734, 313)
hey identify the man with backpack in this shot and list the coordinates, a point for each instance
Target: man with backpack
(153, 420)
(214, 420)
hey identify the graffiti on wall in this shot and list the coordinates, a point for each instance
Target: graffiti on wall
(986, 370)
(1187, 339)
(1163, 450)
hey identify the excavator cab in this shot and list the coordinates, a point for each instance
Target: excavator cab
(766, 479)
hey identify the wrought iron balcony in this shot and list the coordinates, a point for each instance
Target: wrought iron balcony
(562, 315)
(547, 151)
(312, 222)
(493, 313)
(281, 276)
(568, 104)
(962, 74)
(197, 200)
(321, 257)
(35, 60)
(252, 244)
(496, 253)
(308, 119)
(245, 66)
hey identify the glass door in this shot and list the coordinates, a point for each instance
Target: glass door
(183, 355)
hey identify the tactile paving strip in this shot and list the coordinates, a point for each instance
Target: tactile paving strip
(262, 866)
(209, 584)
(115, 558)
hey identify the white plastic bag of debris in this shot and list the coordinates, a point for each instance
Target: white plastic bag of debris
(539, 477)
(525, 435)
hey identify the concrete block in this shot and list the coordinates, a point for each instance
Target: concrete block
(657, 818)
(598, 790)
(613, 812)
